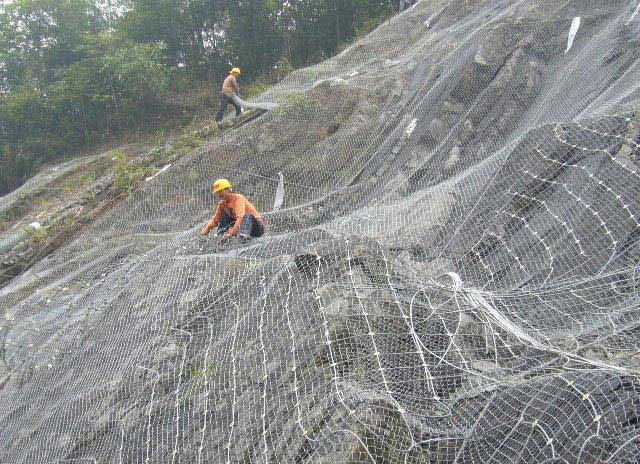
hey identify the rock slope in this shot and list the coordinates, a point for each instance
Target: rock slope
(452, 277)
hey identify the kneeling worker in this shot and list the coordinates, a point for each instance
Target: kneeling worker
(235, 215)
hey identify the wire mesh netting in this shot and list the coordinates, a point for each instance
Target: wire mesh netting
(452, 276)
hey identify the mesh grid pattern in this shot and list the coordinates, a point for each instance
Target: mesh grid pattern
(452, 278)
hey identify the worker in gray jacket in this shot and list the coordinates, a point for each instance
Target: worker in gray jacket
(229, 89)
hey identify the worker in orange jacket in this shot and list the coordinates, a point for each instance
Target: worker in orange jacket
(235, 215)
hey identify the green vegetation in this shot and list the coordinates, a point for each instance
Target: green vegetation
(366, 26)
(295, 104)
(4, 223)
(54, 230)
(129, 174)
(5, 219)
(44, 123)
(183, 145)
(39, 236)
(200, 378)
(90, 199)
(263, 83)
(78, 73)
(255, 89)
(16, 211)
(76, 182)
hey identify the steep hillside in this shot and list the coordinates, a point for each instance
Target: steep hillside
(452, 278)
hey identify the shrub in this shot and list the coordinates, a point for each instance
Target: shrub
(39, 236)
(129, 175)
(295, 104)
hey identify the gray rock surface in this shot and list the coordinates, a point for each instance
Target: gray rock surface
(463, 293)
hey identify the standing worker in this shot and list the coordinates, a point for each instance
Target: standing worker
(235, 215)
(229, 89)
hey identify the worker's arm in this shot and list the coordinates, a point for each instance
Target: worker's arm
(239, 209)
(215, 220)
(236, 86)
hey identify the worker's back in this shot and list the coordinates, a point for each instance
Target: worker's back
(230, 86)
(239, 203)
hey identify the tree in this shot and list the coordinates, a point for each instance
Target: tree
(316, 28)
(117, 86)
(188, 28)
(74, 72)
(251, 37)
(40, 38)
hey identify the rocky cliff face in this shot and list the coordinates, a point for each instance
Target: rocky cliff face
(452, 277)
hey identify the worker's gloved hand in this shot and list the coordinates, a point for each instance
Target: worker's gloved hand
(225, 238)
(204, 231)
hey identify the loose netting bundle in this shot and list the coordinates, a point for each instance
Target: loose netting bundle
(452, 277)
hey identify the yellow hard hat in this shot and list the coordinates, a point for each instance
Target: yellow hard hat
(221, 184)
(235, 70)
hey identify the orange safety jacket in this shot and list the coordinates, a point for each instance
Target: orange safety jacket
(236, 208)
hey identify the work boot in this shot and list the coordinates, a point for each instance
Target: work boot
(244, 237)
(219, 124)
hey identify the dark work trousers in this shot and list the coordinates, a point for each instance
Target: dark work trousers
(250, 226)
(224, 101)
